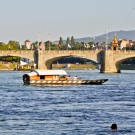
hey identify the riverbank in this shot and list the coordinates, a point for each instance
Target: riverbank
(73, 66)
(90, 66)
(7, 65)
(12, 66)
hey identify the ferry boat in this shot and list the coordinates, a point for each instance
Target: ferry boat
(56, 77)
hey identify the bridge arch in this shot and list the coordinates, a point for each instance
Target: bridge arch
(50, 61)
(119, 62)
(25, 53)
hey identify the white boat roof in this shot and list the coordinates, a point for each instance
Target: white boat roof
(47, 72)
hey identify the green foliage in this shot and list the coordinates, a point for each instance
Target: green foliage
(10, 58)
(54, 47)
(72, 41)
(78, 46)
(3, 46)
(68, 41)
(23, 47)
(51, 46)
(64, 47)
(61, 41)
(12, 45)
(34, 45)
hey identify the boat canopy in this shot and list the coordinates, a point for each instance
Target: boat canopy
(47, 72)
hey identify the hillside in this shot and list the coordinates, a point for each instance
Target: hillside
(130, 35)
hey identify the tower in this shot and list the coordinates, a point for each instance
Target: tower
(27, 44)
(114, 43)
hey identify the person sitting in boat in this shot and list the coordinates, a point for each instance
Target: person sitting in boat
(68, 77)
(75, 78)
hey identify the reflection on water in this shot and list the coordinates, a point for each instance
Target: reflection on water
(67, 110)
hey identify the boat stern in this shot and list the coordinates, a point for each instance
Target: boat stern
(26, 79)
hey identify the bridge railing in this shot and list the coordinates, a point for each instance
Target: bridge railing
(70, 51)
(12, 52)
(123, 51)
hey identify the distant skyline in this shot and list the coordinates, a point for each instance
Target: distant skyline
(35, 19)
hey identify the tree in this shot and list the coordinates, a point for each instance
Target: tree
(3, 46)
(61, 41)
(72, 41)
(77, 46)
(34, 45)
(48, 45)
(68, 41)
(13, 45)
(23, 47)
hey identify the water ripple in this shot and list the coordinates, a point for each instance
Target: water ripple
(67, 110)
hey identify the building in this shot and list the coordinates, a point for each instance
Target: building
(114, 43)
(28, 44)
(123, 43)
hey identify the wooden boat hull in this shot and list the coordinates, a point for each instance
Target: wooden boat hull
(67, 82)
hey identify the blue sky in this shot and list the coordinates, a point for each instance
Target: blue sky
(35, 19)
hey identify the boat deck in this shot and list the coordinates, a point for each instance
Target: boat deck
(67, 82)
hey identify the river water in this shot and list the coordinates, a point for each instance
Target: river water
(68, 110)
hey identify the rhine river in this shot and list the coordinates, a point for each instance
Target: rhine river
(68, 110)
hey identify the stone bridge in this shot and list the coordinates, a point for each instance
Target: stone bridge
(50, 56)
(22, 53)
(110, 60)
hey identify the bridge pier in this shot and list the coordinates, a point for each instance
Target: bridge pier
(40, 60)
(108, 63)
